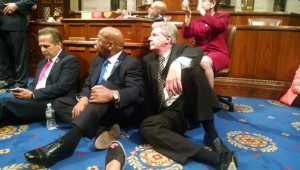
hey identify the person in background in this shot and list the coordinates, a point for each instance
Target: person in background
(58, 15)
(112, 92)
(208, 31)
(56, 76)
(178, 95)
(156, 11)
(14, 42)
(292, 97)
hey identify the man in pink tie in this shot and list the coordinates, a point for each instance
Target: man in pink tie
(56, 76)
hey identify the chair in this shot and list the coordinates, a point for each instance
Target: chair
(264, 21)
(229, 37)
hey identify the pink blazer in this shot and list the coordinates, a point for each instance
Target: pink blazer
(291, 94)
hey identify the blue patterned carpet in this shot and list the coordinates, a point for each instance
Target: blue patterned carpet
(264, 133)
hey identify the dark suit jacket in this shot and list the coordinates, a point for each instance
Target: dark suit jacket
(126, 77)
(190, 78)
(62, 79)
(18, 20)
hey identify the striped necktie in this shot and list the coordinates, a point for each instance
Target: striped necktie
(161, 82)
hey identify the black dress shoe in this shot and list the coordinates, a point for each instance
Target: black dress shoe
(116, 152)
(6, 84)
(49, 154)
(228, 161)
(106, 135)
(216, 145)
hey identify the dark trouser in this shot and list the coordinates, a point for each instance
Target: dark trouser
(93, 115)
(14, 57)
(296, 102)
(23, 110)
(164, 132)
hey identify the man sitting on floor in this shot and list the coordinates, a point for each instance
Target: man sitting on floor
(175, 105)
(111, 93)
(56, 76)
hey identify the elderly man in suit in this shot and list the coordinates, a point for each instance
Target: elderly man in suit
(179, 95)
(13, 42)
(56, 76)
(111, 93)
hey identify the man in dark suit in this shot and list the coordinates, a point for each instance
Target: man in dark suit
(56, 76)
(175, 105)
(13, 42)
(111, 93)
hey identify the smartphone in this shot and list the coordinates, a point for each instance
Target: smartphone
(14, 90)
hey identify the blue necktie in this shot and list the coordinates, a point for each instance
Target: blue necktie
(103, 70)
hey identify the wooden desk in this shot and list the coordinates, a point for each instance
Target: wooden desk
(263, 61)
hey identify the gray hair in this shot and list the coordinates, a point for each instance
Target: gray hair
(56, 36)
(167, 29)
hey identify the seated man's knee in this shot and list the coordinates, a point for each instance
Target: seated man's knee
(148, 125)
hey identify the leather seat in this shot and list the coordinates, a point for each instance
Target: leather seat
(229, 37)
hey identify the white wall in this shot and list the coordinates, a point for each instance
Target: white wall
(74, 5)
(293, 6)
(267, 5)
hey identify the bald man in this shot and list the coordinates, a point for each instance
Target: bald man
(157, 10)
(111, 93)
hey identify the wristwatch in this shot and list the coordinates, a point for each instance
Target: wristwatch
(116, 95)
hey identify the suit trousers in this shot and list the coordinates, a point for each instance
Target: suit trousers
(164, 132)
(94, 115)
(14, 57)
(22, 110)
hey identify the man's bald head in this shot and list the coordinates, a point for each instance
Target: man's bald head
(157, 8)
(109, 41)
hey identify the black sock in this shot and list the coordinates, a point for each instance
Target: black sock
(72, 138)
(210, 130)
(207, 157)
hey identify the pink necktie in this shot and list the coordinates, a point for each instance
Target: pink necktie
(46, 67)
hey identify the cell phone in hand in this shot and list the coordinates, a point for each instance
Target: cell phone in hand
(14, 90)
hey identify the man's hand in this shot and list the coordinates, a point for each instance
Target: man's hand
(22, 93)
(10, 8)
(79, 107)
(101, 94)
(173, 81)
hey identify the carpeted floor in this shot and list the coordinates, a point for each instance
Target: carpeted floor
(264, 133)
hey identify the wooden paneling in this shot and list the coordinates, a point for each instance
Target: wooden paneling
(131, 28)
(268, 53)
(263, 59)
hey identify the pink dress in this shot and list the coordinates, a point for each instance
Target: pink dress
(291, 94)
(209, 33)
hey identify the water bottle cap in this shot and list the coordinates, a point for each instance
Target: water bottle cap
(49, 104)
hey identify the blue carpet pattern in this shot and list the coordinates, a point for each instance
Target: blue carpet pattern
(264, 133)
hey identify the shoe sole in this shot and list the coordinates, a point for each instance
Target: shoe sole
(105, 138)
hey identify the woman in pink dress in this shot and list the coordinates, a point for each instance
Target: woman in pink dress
(208, 31)
(291, 97)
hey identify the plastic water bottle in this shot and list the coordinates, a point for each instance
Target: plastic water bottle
(50, 117)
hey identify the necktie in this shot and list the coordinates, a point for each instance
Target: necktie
(103, 70)
(46, 67)
(160, 82)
